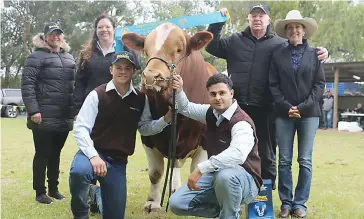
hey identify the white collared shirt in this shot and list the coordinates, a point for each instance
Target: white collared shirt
(242, 135)
(111, 86)
(88, 113)
(110, 50)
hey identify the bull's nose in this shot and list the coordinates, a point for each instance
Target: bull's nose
(150, 77)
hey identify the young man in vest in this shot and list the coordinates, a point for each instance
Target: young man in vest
(105, 131)
(231, 175)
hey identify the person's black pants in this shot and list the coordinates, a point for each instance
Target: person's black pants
(263, 119)
(48, 146)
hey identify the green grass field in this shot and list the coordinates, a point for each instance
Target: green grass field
(337, 187)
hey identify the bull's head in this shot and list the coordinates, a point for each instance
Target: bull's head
(166, 49)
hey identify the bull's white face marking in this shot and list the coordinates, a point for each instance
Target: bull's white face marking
(162, 33)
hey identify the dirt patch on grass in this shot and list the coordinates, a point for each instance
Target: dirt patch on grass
(7, 181)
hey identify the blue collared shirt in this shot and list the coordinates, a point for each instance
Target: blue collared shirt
(88, 113)
(297, 54)
(242, 136)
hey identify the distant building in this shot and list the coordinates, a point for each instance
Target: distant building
(347, 89)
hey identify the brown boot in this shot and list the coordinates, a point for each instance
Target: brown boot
(284, 213)
(299, 213)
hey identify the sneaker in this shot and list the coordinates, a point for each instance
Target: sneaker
(44, 199)
(92, 199)
(56, 195)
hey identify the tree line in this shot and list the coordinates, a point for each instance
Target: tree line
(341, 29)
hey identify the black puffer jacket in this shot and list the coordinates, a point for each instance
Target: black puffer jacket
(47, 86)
(248, 62)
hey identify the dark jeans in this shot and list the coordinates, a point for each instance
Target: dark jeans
(113, 187)
(264, 123)
(48, 146)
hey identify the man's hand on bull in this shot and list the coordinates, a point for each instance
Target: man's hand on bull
(98, 166)
(177, 83)
(323, 54)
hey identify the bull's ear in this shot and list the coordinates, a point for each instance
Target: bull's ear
(200, 40)
(134, 42)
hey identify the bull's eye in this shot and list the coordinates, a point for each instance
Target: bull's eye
(179, 50)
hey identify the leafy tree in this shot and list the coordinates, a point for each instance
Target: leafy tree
(24, 19)
(341, 30)
(340, 27)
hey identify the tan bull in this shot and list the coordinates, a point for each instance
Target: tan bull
(166, 45)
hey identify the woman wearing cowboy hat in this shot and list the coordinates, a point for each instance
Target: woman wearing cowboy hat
(297, 82)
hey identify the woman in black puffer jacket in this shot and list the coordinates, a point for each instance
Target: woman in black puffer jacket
(47, 90)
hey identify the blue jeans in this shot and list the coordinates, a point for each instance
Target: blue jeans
(113, 187)
(327, 119)
(221, 194)
(96, 192)
(286, 129)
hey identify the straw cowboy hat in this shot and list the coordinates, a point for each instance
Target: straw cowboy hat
(295, 16)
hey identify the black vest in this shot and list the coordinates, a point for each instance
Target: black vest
(116, 123)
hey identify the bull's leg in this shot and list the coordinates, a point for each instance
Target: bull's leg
(176, 179)
(197, 157)
(155, 171)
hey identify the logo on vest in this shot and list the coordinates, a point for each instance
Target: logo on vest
(260, 209)
(135, 109)
(222, 141)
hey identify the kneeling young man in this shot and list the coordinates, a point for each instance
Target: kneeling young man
(231, 175)
(105, 131)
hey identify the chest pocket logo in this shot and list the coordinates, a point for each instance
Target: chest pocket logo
(222, 141)
(135, 109)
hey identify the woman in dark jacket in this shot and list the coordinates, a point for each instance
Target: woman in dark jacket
(47, 89)
(297, 83)
(95, 60)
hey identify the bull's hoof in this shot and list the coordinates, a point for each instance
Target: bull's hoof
(151, 207)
